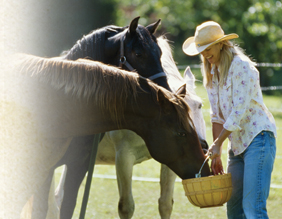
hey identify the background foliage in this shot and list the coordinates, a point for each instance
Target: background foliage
(54, 26)
(258, 24)
(47, 28)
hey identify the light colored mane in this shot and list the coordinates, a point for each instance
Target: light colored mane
(81, 78)
(108, 86)
(176, 80)
(171, 69)
(168, 62)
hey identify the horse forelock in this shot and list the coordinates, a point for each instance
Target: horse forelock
(181, 107)
(183, 112)
(144, 36)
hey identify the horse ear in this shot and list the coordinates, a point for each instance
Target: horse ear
(133, 25)
(189, 78)
(153, 27)
(182, 90)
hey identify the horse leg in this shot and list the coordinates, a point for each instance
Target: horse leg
(59, 192)
(56, 196)
(124, 166)
(75, 175)
(76, 159)
(40, 198)
(167, 180)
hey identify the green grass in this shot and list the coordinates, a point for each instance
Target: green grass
(103, 198)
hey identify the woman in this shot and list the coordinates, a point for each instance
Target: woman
(237, 113)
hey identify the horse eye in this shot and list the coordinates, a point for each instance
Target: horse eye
(200, 106)
(181, 134)
(138, 54)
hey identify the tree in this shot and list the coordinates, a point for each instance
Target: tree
(258, 24)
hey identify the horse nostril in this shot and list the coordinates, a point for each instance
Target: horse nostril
(204, 144)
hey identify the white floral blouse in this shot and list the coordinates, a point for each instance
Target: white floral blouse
(241, 104)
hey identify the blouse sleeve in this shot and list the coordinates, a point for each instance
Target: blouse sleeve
(243, 83)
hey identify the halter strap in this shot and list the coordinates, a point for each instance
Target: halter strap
(158, 75)
(123, 61)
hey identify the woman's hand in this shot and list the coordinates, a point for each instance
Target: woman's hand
(216, 166)
(219, 134)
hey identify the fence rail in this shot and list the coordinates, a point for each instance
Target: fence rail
(151, 179)
(273, 65)
(271, 88)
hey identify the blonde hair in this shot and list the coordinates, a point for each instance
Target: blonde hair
(229, 50)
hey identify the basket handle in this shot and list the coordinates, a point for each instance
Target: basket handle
(198, 175)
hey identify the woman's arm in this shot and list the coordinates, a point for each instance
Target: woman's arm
(219, 135)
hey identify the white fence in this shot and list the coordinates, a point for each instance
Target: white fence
(272, 65)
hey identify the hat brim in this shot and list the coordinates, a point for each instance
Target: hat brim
(190, 48)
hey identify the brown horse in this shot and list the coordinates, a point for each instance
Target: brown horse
(60, 99)
(124, 148)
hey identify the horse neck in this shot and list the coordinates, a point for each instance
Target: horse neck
(140, 108)
(163, 82)
(90, 46)
(90, 117)
(85, 89)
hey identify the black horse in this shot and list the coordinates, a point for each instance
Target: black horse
(132, 47)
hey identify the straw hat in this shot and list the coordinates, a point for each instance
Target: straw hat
(207, 34)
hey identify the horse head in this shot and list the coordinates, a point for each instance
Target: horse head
(135, 48)
(195, 105)
(171, 138)
(132, 47)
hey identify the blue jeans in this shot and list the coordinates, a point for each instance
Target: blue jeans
(251, 176)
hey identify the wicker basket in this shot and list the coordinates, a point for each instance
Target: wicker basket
(208, 191)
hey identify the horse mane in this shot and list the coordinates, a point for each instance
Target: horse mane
(168, 62)
(91, 44)
(83, 78)
(182, 110)
(95, 81)
(172, 72)
(170, 67)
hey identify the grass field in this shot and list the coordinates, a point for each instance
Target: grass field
(103, 198)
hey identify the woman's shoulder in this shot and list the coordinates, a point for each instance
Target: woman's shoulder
(241, 66)
(239, 60)
(242, 62)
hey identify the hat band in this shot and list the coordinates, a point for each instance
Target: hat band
(204, 44)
